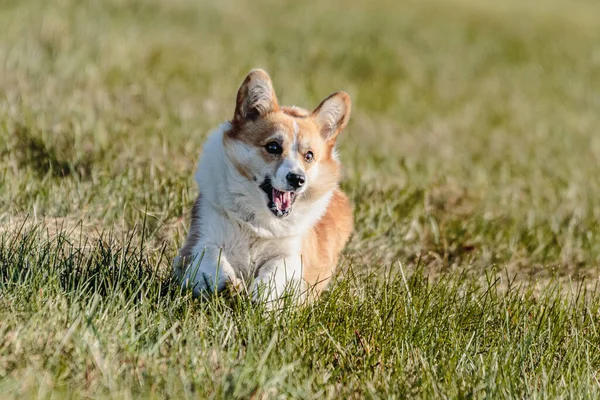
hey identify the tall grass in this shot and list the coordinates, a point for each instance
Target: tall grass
(471, 159)
(105, 322)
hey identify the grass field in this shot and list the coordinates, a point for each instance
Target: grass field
(472, 159)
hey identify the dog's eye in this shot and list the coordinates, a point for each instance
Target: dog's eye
(273, 148)
(309, 156)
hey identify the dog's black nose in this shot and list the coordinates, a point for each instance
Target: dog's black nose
(296, 180)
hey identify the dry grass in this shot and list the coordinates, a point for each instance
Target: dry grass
(472, 154)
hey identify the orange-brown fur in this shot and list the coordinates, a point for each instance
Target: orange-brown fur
(322, 245)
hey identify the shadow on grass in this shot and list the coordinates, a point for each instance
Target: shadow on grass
(57, 158)
(103, 266)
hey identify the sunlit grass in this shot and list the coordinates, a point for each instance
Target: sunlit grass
(471, 159)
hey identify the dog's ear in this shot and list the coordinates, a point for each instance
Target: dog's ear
(255, 97)
(333, 114)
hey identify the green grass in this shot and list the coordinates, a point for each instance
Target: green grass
(471, 158)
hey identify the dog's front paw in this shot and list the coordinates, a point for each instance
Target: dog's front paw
(205, 279)
(208, 272)
(275, 294)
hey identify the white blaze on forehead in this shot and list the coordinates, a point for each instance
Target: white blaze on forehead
(295, 140)
(290, 165)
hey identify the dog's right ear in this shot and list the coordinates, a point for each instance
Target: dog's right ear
(256, 97)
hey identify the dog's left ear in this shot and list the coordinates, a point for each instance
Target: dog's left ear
(255, 97)
(333, 114)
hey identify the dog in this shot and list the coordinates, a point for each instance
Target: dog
(270, 215)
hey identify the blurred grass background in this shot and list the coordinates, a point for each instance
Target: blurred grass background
(473, 144)
(473, 136)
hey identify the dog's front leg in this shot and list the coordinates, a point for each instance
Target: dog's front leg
(208, 271)
(278, 277)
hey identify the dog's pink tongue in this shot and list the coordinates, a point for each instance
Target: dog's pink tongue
(283, 200)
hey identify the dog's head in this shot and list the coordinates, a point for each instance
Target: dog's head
(287, 152)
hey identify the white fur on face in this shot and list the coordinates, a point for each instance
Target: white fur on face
(250, 158)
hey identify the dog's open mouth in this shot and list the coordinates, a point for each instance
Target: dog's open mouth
(280, 202)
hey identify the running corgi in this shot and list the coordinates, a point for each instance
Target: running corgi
(270, 214)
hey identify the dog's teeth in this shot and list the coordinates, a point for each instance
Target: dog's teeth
(282, 201)
(286, 200)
